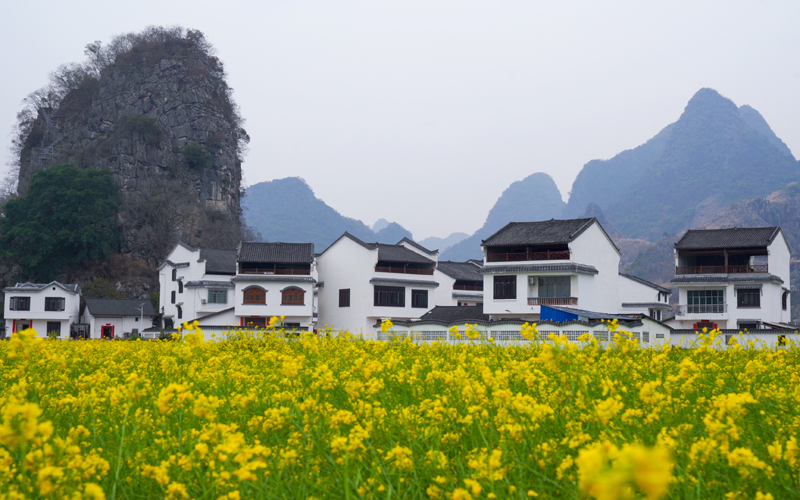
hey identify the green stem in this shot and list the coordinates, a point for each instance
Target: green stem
(119, 455)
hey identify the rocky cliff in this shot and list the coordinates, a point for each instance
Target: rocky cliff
(154, 108)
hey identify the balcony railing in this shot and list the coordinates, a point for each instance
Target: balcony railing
(271, 270)
(758, 268)
(403, 270)
(702, 309)
(552, 301)
(476, 288)
(523, 256)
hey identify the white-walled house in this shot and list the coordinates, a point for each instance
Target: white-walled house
(362, 283)
(460, 284)
(113, 318)
(567, 263)
(196, 283)
(639, 296)
(275, 279)
(46, 307)
(733, 279)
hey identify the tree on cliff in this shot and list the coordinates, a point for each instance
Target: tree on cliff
(67, 217)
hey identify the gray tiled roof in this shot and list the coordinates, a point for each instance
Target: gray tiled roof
(283, 253)
(37, 287)
(219, 260)
(393, 281)
(728, 278)
(536, 268)
(646, 283)
(452, 314)
(397, 253)
(209, 284)
(464, 271)
(741, 237)
(418, 246)
(549, 232)
(119, 307)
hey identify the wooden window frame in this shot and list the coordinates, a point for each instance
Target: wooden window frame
(254, 295)
(505, 287)
(293, 296)
(417, 300)
(384, 296)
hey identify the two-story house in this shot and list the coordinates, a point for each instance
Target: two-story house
(566, 263)
(734, 278)
(196, 283)
(48, 308)
(275, 279)
(362, 283)
(460, 283)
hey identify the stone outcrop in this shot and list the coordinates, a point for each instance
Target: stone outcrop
(159, 115)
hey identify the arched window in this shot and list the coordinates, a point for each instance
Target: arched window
(255, 295)
(293, 296)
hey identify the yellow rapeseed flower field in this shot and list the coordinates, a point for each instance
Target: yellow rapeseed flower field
(268, 415)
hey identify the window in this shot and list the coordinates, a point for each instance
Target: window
(54, 327)
(180, 312)
(784, 300)
(390, 296)
(20, 304)
(180, 286)
(655, 314)
(554, 286)
(748, 298)
(293, 296)
(344, 297)
(217, 296)
(505, 287)
(255, 295)
(174, 275)
(705, 301)
(419, 298)
(172, 296)
(54, 304)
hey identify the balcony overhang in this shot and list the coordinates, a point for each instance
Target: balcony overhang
(255, 278)
(726, 278)
(539, 268)
(398, 282)
(649, 305)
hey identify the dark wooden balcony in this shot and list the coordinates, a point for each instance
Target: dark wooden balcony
(463, 286)
(552, 301)
(741, 269)
(525, 256)
(272, 271)
(403, 270)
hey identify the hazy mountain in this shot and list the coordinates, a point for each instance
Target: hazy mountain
(442, 244)
(392, 233)
(603, 182)
(536, 197)
(286, 210)
(379, 224)
(713, 156)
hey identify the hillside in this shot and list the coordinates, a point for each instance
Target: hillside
(442, 244)
(536, 197)
(287, 210)
(154, 109)
(713, 156)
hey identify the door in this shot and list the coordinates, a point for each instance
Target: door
(107, 332)
(21, 324)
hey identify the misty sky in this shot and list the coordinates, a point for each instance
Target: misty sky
(424, 112)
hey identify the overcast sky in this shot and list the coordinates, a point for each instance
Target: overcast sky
(424, 112)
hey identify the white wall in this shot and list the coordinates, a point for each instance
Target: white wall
(37, 314)
(121, 324)
(294, 313)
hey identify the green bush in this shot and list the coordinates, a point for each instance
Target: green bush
(196, 157)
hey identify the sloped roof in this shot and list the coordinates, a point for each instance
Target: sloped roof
(418, 246)
(219, 260)
(737, 237)
(284, 253)
(465, 271)
(398, 253)
(38, 287)
(646, 283)
(119, 307)
(548, 232)
(452, 314)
